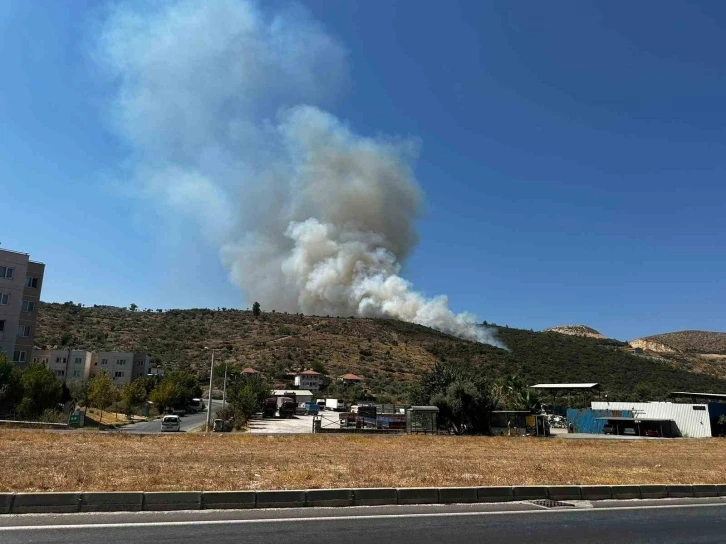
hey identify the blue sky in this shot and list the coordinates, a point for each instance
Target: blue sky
(572, 159)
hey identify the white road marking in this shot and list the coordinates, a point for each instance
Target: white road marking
(126, 525)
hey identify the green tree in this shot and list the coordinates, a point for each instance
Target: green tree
(319, 367)
(166, 395)
(256, 311)
(132, 394)
(41, 390)
(133, 307)
(103, 393)
(461, 392)
(245, 395)
(11, 385)
(80, 391)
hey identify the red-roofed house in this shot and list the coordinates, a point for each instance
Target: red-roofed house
(309, 379)
(250, 371)
(350, 379)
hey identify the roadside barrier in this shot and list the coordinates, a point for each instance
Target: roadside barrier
(134, 501)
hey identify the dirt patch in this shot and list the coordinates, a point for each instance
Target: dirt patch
(65, 461)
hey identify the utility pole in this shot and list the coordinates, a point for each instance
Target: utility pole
(224, 389)
(209, 404)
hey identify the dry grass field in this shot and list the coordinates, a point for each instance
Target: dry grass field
(64, 461)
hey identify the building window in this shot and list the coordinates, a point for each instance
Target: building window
(4, 299)
(6, 272)
(119, 374)
(120, 361)
(24, 331)
(104, 361)
(76, 373)
(78, 361)
(19, 356)
(32, 282)
(60, 373)
(28, 306)
(61, 360)
(2, 325)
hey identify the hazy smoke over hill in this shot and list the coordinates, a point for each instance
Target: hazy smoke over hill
(214, 99)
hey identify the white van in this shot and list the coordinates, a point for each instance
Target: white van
(170, 424)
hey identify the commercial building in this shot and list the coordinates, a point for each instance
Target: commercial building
(21, 281)
(121, 366)
(309, 379)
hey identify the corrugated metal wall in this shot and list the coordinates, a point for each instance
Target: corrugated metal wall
(585, 420)
(692, 420)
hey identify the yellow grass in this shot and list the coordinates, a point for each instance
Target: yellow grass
(63, 461)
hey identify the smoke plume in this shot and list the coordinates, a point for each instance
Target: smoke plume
(221, 104)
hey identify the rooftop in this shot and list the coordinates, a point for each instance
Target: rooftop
(250, 370)
(633, 419)
(715, 396)
(350, 376)
(297, 392)
(308, 373)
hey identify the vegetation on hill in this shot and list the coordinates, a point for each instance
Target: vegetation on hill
(692, 341)
(392, 355)
(576, 330)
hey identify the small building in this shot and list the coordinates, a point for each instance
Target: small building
(518, 423)
(422, 419)
(350, 379)
(250, 371)
(300, 395)
(309, 379)
(155, 371)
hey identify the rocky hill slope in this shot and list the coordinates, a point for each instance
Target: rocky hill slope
(688, 342)
(390, 354)
(576, 330)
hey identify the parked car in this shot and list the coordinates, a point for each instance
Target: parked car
(170, 423)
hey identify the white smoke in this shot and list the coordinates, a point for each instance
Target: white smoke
(214, 99)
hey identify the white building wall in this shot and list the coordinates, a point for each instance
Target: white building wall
(307, 381)
(692, 420)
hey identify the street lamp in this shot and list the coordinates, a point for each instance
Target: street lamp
(209, 404)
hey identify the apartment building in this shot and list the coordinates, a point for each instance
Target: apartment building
(67, 364)
(121, 366)
(21, 281)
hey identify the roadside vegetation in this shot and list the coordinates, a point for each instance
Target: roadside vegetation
(72, 461)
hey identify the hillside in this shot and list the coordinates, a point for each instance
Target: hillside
(692, 341)
(576, 330)
(389, 353)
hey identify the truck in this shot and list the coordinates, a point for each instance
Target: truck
(336, 405)
(269, 407)
(286, 406)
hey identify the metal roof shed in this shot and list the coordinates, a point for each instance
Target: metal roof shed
(584, 390)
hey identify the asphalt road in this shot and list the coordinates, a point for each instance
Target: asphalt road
(693, 523)
(189, 422)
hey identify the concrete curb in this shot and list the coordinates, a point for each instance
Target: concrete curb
(376, 496)
(130, 501)
(113, 501)
(172, 500)
(228, 500)
(46, 503)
